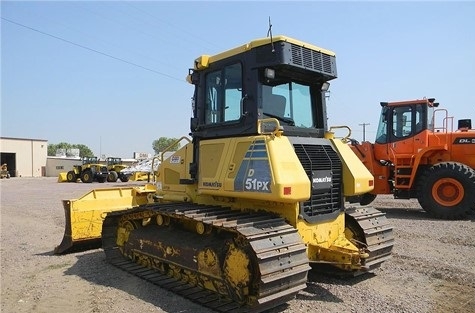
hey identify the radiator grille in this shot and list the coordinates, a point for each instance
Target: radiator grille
(321, 158)
(312, 59)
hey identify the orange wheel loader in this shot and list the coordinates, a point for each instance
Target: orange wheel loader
(418, 154)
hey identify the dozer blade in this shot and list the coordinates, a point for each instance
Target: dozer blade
(84, 216)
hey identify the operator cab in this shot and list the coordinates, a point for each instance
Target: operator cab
(272, 78)
(403, 120)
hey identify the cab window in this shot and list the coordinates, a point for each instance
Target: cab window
(223, 95)
(382, 133)
(289, 102)
(402, 122)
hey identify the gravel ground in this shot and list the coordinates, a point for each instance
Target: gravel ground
(432, 269)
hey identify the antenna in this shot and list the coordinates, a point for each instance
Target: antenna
(269, 33)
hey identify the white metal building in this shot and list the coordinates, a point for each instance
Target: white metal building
(56, 165)
(24, 157)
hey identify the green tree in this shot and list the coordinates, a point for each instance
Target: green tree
(162, 143)
(52, 148)
(84, 151)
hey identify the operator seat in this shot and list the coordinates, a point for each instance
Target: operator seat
(275, 105)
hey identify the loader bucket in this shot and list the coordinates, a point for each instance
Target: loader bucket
(141, 176)
(84, 216)
(62, 177)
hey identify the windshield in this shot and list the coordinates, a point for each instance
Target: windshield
(383, 126)
(290, 103)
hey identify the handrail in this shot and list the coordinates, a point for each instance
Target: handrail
(278, 130)
(160, 156)
(445, 119)
(445, 125)
(345, 138)
(174, 144)
(152, 168)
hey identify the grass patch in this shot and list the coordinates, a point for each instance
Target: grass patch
(57, 266)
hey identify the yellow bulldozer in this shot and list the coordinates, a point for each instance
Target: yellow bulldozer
(238, 214)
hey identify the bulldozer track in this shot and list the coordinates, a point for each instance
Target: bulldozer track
(378, 234)
(280, 254)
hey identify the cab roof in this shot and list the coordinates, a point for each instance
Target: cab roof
(203, 61)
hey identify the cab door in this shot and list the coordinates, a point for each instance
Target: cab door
(408, 133)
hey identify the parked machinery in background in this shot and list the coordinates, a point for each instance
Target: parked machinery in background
(90, 170)
(4, 173)
(115, 167)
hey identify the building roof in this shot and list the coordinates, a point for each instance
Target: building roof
(27, 139)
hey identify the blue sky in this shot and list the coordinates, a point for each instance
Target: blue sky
(61, 90)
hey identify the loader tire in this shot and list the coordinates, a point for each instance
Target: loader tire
(71, 177)
(446, 190)
(112, 177)
(87, 177)
(124, 178)
(367, 198)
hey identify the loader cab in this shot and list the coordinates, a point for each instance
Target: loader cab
(403, 127)
(90, 160)
(402, 120)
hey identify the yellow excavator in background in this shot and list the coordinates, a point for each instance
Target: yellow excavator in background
(238, 214)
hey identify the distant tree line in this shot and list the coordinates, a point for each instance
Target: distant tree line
(84, 150)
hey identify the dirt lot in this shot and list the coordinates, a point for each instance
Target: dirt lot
(432, 269)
